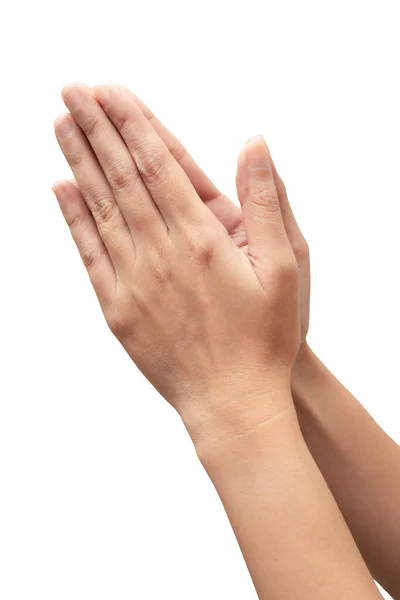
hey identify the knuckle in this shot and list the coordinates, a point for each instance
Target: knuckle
(75, 159)
(121, 316)
(286, 269)
(178, 151)
(90, 125)
(282, 266)
(89, 258)
(161, 272)
(265, 197)
(120, 177)
(301, 249)
(152, 166)
(124, 120)
(160, 267)
(117, 323)
(73, 221)
(201, 248)
(103, 209)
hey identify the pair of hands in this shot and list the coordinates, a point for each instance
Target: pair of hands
(210, 300)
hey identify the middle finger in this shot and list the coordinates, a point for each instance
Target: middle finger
(132, 196)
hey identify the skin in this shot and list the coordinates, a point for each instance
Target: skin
(210, 311)
(360, 462)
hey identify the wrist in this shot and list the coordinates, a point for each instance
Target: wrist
(240, 451)
(236, 418)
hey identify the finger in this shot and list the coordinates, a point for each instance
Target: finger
(87, 239)
(96, 191)
(132, 196)
(260, 203)
(166, 181)
(293, 231)
(203, 185)
(220, 205)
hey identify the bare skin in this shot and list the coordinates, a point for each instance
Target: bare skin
(360, 462)
(212, 317)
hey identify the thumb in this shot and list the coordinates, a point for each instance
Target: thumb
(259, 198)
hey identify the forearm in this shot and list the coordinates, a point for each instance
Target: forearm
(292, 535)
(360, 463)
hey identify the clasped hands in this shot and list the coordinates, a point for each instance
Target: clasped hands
(210, 300)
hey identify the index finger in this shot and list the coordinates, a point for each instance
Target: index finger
(220, 205)
(165, 179)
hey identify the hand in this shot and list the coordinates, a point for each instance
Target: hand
(229, 214)
(208, 323)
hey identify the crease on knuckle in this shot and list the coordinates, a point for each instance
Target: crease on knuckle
(161, 272)
(103, 209)
(124, 121)
(74, 221)
(265, 197)
(159, 267)
(90, 125)
(120, 177)
(76, 159)
(152, 166)
(90, 258)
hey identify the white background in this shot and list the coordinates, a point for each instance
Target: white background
(101, 493)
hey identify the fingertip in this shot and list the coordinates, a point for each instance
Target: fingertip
(102, 93)
(63, 125)
(241, 161)
(74, 183)
(257, 153)
(57, 185)
(60, 188)
(59, 118)
(65, 89)
(255, 139)
(66, 189)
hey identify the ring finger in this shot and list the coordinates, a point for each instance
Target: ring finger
(96, 191)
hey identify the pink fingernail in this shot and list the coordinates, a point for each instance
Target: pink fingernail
(257, 153)
(257, 157)
(254, 140)
(72, 96)
(59, 191)
(102, 94)
(241, 160)
(63, 127)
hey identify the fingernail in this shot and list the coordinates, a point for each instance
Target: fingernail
(63, 127)
(58, 191)
(241, 160)
(102, 94)
(254, 139)
(71, 96)
(257, 153)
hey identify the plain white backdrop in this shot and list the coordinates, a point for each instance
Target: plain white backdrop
(101, 494)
